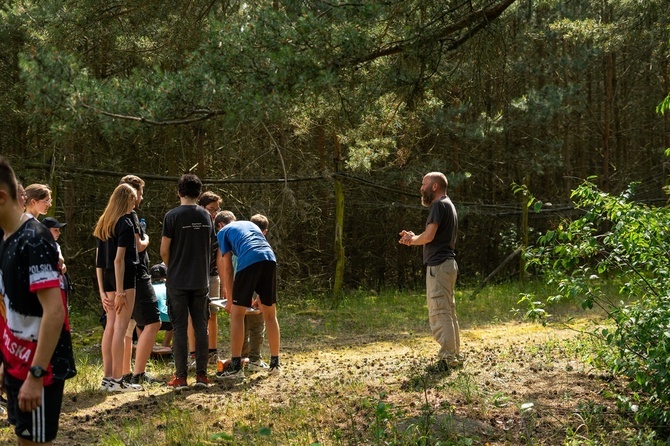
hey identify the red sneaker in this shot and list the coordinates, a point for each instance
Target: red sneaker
(178, 383)
(201, 380)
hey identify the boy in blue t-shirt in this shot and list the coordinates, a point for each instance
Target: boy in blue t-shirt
(256, 272)
(254, 326)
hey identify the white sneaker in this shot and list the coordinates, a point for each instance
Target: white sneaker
(257, 366)
(121, 386)
(104, 385)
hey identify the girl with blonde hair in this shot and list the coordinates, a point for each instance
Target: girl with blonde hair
(116, 260)
(38, 200)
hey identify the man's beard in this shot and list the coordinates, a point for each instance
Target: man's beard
(427, 197)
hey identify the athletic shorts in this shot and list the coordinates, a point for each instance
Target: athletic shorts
(109, 279)
(214, 292)
(40, 425)
(260, 277)
(145, 311)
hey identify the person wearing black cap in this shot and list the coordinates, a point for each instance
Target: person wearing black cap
(55, 226)
(158, 278)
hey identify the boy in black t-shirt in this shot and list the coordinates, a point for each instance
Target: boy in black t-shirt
(186, 247)
(37, 349)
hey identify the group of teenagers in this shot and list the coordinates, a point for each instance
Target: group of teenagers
(206, 254)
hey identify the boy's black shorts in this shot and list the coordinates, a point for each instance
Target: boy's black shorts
(40, 425)
(260, 277)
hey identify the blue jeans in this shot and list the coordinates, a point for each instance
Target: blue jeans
(181, 303)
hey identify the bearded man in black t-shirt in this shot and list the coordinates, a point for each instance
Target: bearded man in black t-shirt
(36, 346)
(439, 256)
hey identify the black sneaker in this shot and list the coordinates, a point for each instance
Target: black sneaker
(122, 386)
(127, 378)
(144, 378)
(230, 373)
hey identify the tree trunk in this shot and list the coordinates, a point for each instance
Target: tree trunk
(608, 63)
(339, 227)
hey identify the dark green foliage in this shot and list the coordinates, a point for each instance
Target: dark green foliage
(246, 92)
(618, 239)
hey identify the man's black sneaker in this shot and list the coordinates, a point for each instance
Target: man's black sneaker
(127, 378)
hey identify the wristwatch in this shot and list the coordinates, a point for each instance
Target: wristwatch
(37, 371)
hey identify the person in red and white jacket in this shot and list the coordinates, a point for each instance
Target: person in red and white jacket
(36, 345)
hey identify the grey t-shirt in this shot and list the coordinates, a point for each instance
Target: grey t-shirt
(443, 245)
(190, 229)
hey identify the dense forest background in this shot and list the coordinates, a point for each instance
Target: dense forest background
(325, 115)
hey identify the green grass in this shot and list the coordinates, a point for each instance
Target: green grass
(359, 404)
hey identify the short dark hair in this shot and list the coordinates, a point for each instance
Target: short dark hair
(7, 178)
(224, 217)
(189, 186)
(261, 221)
(208, 197)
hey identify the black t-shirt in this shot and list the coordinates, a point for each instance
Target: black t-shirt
(124, 237)
(142, 270)
(443, 245)
(190, 229)
(29, 263)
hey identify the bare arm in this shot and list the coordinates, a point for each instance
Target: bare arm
(53, 315)
(165, 249)
(106, 303)
(120, 300)
(224, 264)
(142, 244)
(408, 238)
(61, 263)
(219, 268)
(119, 267)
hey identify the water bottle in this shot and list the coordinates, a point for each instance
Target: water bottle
(143, 225)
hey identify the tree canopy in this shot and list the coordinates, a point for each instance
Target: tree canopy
(274, 102)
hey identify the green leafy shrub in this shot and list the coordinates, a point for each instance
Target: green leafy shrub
(617, 240)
